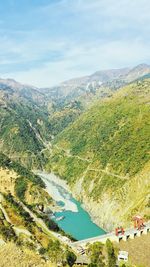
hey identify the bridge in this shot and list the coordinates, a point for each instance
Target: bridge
(129, 233)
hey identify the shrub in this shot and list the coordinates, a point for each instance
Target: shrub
(71, 258)
(111, 254)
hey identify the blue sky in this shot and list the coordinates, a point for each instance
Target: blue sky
(44, 42)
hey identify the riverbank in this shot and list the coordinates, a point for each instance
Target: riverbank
(88, 205)
(58, 190)
(76, 220)
(53, 177)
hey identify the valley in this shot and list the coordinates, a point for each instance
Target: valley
(74, 133)
(72, 156)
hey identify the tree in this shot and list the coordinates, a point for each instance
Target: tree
(92, 265)
(111, 254)
(55, 251)
(42, 251)
(71, 258)
(95, 253)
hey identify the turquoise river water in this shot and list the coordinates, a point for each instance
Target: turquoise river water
(76, 221)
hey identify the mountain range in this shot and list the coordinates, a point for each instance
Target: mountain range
(92, 83)
(93, 132)
(30, 116)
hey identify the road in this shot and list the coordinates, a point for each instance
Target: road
(41, 223)
(63, 239)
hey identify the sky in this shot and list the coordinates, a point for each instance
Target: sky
(44, 42)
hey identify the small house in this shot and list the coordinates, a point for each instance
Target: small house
(123, 256)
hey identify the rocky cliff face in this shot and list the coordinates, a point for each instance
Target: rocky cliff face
(118, 207)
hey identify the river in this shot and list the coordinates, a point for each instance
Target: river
(76, 221)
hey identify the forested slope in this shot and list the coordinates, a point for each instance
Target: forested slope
(24, 126)
(105, 156)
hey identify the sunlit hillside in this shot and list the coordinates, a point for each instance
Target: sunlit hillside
(105, 156)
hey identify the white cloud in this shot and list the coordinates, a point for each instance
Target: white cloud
(84, 60)
(87, 35)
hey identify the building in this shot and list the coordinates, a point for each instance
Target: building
(123, 256)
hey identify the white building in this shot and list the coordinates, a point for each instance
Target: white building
(123, 256)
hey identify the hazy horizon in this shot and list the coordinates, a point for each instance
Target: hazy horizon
(47, 42)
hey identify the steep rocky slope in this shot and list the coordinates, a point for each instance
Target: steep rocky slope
(105, 156)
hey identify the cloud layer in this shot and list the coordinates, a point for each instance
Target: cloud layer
(44, 42)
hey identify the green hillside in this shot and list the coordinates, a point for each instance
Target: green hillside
(24, 127)
(63, 115)
(28, 121)
(22, 222)
(106, 152)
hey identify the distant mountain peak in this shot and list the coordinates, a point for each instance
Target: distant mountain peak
(14, 84)
(142, 66)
